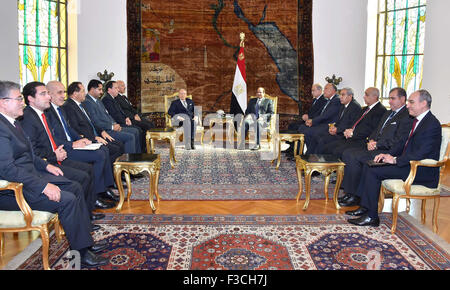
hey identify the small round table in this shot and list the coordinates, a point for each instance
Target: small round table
(168, 134)
(135, 164)
(324, 164)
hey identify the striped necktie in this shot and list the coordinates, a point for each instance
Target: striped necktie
(410, 134)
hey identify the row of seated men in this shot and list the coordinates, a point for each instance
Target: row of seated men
(42, 147)
(408, 131)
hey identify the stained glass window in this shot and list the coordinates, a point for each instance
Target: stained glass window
(42, 40)
(400, 45)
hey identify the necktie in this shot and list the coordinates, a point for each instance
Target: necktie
(257, 109)
(342, 113)
(410, 134)
(324, 107)
(365, 113)
(184, 103)
(89, 119)
(387, 120)
(19, 128)
(65, 126)
(50, 136)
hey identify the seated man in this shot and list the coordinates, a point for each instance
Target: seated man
(366, 123)
(259, 109)
(423, 142)
(101, 119)
(115, 111)
(184, 108)
(393, 127)
(80, 121)
(130, 111)
(349, 111)
(45, 188)
(66, 135)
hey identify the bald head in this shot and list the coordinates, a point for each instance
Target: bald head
(122, 87)
(57, 92)
(371, 96)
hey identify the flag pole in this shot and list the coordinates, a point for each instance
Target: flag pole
(242, 37)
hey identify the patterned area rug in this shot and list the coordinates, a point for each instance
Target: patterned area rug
(257, 242)
(225, 174)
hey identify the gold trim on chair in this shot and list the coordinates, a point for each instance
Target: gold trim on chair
(28, 220)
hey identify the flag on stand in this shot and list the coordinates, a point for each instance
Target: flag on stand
(239, 97)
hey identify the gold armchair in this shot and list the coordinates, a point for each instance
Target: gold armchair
(168, 99)
(27, 220)
(404, 189)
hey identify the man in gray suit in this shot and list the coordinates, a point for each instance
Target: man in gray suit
(103, 120)
(258, 113)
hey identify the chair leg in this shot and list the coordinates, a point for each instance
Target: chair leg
(381, 200)
(423, 209)
(2, 244)
(45, 246)
(435, 213)
(395, 200)
(408, 205)
(58, 231)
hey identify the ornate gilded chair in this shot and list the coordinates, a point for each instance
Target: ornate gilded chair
(27, 220)
(167, 101)
(405, 189)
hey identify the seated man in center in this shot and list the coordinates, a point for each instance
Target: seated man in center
(259, 109)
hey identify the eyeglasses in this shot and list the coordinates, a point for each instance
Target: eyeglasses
(20, 99)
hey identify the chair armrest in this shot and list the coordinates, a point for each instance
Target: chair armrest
(21, 202)
(414, 165)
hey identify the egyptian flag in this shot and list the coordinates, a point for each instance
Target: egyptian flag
(239, 98)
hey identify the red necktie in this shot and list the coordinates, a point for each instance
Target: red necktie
(49, 134)
(367, 111)
(410, 134)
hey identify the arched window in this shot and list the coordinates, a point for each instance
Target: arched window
(400, 45)
(42, 40)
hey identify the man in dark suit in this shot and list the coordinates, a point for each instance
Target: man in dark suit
(182, 110)
(65, 134)
(130, 111)
(328, 114)
(115, 111)
(45, 188)
(44, 145)
(258, 114)
(317, 105)
(348, 112)
(393, 127)
(80, 121)
(101, 119)
(366, 123)
(423, 142)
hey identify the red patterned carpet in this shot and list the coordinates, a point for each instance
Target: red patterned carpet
(256, 243)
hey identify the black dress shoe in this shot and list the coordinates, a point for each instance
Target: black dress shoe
(97, 216)
(345, 197)
(98, 247)
(89, 259)
(365, 220)
(100, 204)
(95, 228)
(358, 212)
(351, 201)
(109, 195)
(192, 145)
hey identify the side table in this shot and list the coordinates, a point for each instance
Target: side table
(135, 164)
(324, 164)
(168, 134)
